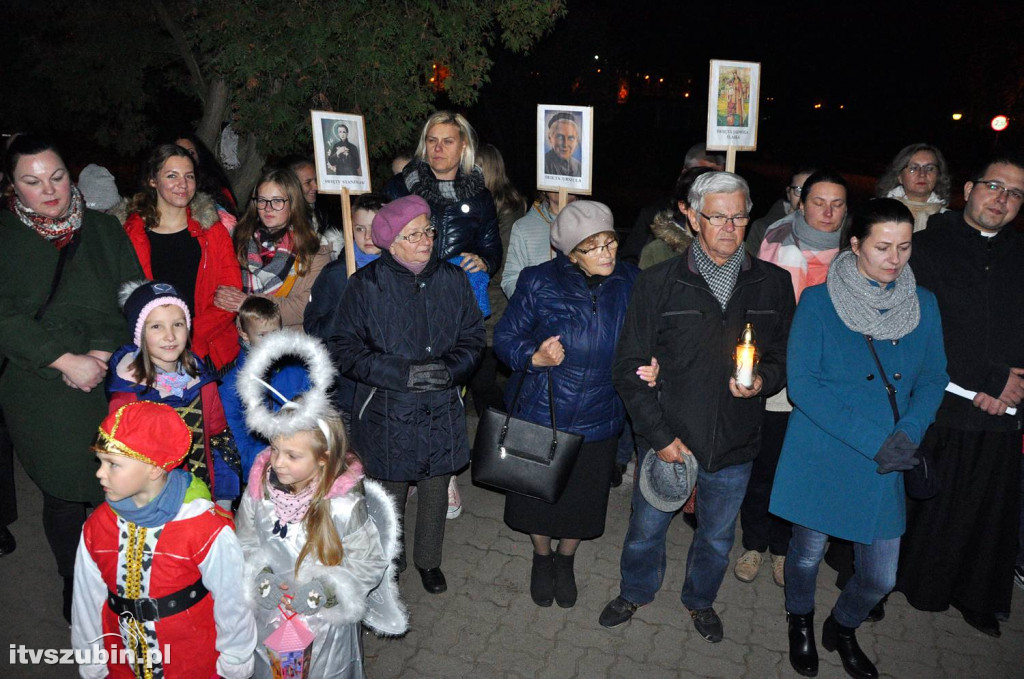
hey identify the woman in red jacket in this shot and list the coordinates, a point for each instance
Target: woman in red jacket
(179, 239)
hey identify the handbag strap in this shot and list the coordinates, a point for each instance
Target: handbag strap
(551, 410)
(66, 253)
(889, 389)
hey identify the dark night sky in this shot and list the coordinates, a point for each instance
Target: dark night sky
(898, 69)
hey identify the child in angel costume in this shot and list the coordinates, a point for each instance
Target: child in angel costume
(318, 537)
(158, 574)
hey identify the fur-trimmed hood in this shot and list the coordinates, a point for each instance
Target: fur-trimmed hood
(334, 239)
(342, 484)
(665, 228)
(202, 208)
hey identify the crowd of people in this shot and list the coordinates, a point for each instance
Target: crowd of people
(218, 357)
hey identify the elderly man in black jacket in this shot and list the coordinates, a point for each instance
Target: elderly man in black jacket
(689, 313)
(960, 546)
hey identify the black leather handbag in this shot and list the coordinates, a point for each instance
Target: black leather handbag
(523, 457)
(921, 482)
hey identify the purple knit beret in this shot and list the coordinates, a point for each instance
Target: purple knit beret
(393, 217)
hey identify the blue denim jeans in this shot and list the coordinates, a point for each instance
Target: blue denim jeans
(719, 496)
(874, 576)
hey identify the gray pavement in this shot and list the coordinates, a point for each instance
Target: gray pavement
(486, 626)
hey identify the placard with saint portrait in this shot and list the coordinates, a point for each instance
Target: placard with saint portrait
(565, 144)
(339, 147)
(733, 98)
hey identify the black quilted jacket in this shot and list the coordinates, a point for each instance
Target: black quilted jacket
(469, 225)
(387, 319)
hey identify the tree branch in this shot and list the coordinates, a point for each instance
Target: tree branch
(183, 47)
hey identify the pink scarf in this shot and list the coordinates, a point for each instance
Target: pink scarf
(291, 507)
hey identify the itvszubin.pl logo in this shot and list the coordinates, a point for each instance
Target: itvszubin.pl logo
(113, 654)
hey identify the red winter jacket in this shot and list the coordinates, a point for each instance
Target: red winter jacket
(213, 329)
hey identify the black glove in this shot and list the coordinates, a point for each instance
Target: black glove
(897, 454)
(428, 376)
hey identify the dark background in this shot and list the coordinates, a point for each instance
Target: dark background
(885, 75)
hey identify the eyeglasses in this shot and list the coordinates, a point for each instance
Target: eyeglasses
(611, 246)
(797, 190)
(417, 236)
(275, 204)
(927, 169)
(721, 220)
(1015, 195)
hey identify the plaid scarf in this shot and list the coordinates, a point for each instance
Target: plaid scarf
(57, 230)
(420, 181)
(721, 279)
(268, 261)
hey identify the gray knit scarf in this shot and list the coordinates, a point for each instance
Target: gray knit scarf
(885, 313)
(721, 279)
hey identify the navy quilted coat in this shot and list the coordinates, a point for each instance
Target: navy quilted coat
(469, 225)
(553, 299)
(388, 318)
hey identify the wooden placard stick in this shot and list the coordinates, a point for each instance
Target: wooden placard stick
(563, 198)
(346, 227)
(730, 159)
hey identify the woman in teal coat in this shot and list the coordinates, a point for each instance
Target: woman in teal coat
(840, 470)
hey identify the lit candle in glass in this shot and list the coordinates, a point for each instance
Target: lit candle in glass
(746, 358)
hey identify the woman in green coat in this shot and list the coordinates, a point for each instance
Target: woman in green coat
(54, 350)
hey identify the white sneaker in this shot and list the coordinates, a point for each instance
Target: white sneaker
(748, 565)
(454, 500)
(779, 569)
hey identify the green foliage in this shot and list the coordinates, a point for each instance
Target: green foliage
(374, 58)
(113, 70)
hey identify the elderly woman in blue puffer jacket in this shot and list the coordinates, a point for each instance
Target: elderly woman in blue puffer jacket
(562, 324)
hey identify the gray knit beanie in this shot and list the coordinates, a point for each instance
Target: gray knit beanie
(98, 187)
(579, 221)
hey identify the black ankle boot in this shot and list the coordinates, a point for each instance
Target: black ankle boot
(803, 654)
(835, 637)
(878, 612)
(565, 581)
(542, 579)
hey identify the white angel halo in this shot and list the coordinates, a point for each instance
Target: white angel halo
(292, 417)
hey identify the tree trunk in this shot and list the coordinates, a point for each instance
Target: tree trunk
(244, 178)
(214, 105)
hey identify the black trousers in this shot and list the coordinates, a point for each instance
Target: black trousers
(62, 524)
(762, 530)
(8, 497)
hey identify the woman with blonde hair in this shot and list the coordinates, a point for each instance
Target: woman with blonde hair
(919, 178)
(444, 173)
(279, 252)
